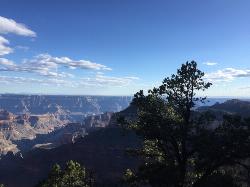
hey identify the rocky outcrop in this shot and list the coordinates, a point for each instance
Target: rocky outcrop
(6, 145)
(5, 115)
(17, 128)
(97, 121)
(24, 119)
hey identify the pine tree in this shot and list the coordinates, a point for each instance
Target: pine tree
(180, 149)
(74, 175)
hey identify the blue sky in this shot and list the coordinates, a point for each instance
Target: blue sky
(117, 47)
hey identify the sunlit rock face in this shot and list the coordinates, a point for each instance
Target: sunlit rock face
(96, 121)
(16, 128)
(43, 121)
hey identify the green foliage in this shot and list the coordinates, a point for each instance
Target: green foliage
(181, 147)
(129, 178)
(72, 176)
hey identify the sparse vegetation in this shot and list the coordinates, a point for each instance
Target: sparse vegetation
(181, 147)
(74, 175)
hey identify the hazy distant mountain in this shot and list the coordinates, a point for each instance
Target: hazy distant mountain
(233, 106)
(28, 121)
(74, 108)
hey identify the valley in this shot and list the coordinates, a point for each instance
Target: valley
(33, 121)
(98, 143)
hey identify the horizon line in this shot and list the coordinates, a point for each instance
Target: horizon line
(232, 97)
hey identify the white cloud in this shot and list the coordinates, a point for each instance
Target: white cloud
(25, 80)
(132, 78)
(46, 65)
(11, 26)
(69, 63)
(51, 69)
(43, 68)
(4, 49)
(102, 81)
(210, 63)
(227, 74)
(98, 81)
(6, 62)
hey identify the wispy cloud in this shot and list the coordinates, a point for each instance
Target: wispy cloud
(67, 62)
(210, 63)
(98, 81)
(43, 69)
(227, 74)
(25, 80)
(47, 65)
(24, 48)
(6, 62)
(11, 26)
(103, 81)
(4, 49)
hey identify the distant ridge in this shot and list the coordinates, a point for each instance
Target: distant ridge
(233, 106)
(42, 104)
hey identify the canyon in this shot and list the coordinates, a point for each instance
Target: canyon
(48, 121)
